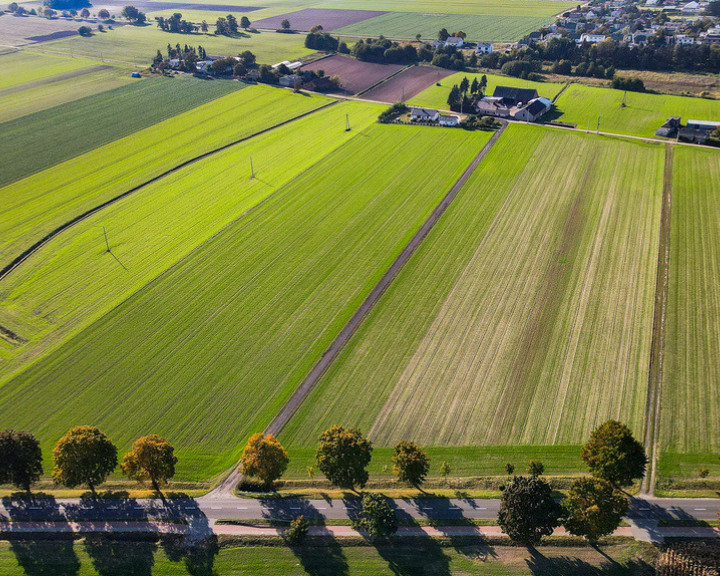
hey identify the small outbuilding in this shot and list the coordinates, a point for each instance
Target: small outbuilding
(448, 120)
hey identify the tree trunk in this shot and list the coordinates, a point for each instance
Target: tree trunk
(92, 489)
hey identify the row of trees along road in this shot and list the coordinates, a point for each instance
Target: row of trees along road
(84, 457)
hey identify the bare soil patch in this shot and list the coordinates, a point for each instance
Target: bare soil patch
(407, 84)
(355, 76)
(328, 18)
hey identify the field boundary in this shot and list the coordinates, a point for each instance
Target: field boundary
(381, 82)
(227, 485)
(56, 78)
(657, 346)
(27, 253)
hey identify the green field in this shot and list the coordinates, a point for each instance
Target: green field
(46, 138)
(20, 68)
(207, 353)
(72, 281)
(506, 26)
(98, 556)
(472, 347)
(642, 115)
(15, 103)
(37, 204)
(436, 96)
(136, 46)
(493, 7)
(690, 418)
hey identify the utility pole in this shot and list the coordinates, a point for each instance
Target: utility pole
(597, 130)
(107, 244)
(347, 123)
(252, 169)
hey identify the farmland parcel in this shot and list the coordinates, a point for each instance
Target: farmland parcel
(525, 318)
(207, 353)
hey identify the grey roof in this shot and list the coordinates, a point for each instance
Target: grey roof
(515, 94)
(536, 107)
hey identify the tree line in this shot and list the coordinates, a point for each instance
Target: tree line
(84, 456)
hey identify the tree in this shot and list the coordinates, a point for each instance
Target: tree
(614, 455)
(245, 22)
(265, 458)
(536, 468)
(343, 48)
(133, 14)
(443, 34)
(445, 470)
(85, 13)
(20, 459)
(232, 23)
(285, 24)
(483, 83)
(84, 456)
(151, 458)
(316, 29)
(49, 12)
(204, 26)
(454, 98)
(528, 510)
(377, 518)
(343, 456)
(475, 87)
(104, 14)
(297, 531)
(247, 58)
(593, 508)
(509, 469)
(239, 70)
(460, 34)
(410, 463)
(464, 85)
(12, 7)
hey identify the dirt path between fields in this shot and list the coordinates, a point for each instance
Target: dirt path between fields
(66, 225)
(226, 487)
(657, 346)
(56, 78)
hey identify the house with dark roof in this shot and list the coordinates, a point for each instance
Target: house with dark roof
(511, 96)
(534, 110)
(424, 115)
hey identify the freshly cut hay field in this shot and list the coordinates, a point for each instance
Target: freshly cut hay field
(208, 352)
(524, 318)
(498, 27)
(436, 96)
(38, 204)
(643, 114)
(14, 104)
(33, 143)
(690, 416)
(136, 46)
(72, 281)
(25, 67)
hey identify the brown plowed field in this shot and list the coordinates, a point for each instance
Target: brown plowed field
(329, 19)
(407, 84)
(354, 75)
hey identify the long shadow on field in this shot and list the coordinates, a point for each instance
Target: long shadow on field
(198, 557)
(115, 555)
(423, 556)
(323, 557)
(541, 565)
(46, 557)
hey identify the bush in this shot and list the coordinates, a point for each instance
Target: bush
(630, 84)
(394, 112)
(320, 41)
(485, 123)
(519, 68)
(85, 31)
(297, 531)
(343, 48)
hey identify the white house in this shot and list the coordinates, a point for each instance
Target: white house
(690, 8)
(684, 39)
(291, 80)
(203, 66)
(532, 111)
(484, 48)
(591, 38)
(424, 115)
(448, 120)
(455, 41)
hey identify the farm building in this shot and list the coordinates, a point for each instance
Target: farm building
(291, 80)
(511, 96)
(492, 106)
(455, 41)
(532, 111)
(670, 128)
(484, 48)
(448, 120)
(424, 115)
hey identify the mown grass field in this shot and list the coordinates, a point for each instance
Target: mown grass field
(524, 318)
(136, 46)
(690, 417)
(24, 67)
(642, 115)
(34, 98)
(72, 281)
(503, 26)
(36, 205)
(436, 96)
(208, 352)
(493, 7)
(43, 139)
(96, 556)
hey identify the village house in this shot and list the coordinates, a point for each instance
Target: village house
(448, 120)
(424, 115)
(591, 38)
(532, 111)
(455, 41)
(291, 80)
(484, 48)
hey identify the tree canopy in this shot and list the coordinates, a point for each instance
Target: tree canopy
(265, 458)
(593, 508)
(614, 455)
(528, 510)
(410, 463)
(377, 518)
(151, 458)
(84, 456)
(20, 459)
(343, 456)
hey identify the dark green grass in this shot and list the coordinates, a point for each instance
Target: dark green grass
(43, 139)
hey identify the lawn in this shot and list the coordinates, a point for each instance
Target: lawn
(24, 67)
(46, 138)
(642, 115)
(436, 96)
(690, 417)
(34, 98)
(514, 20)
(98, 555)
(524, 318)
(136, 46)
(36, 205)
(207, 353)
(72, 281)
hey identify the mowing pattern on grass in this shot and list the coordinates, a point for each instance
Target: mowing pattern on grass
(489, 27)
(690, 415)
(72, 281)
(526, 316)
(436, 96)
(500, 7)
(206, 354)
(25, 67)
(641, 116)
(35, 142)
(327, 18)
(38, 204)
